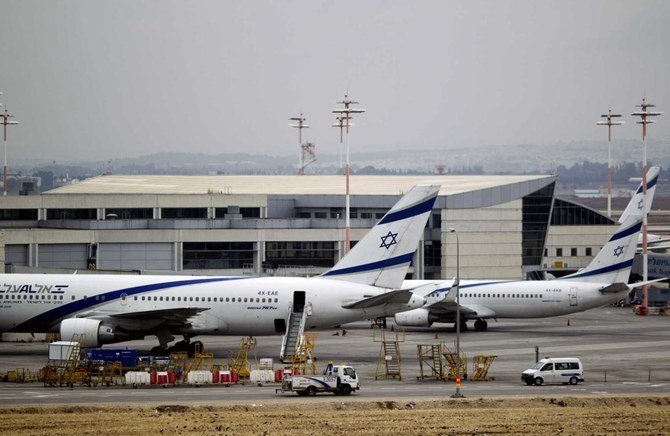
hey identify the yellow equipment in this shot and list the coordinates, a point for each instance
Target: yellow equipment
(481, 365)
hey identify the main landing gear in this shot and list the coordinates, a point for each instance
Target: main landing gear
(481, 325)
(185, 346)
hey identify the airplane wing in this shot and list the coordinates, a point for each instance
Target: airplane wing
(176, 316)
(448, 307)
(393, 297)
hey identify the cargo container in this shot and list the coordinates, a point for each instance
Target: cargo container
(63, 350)
(127, 357)
(199, 378)
(137, 378)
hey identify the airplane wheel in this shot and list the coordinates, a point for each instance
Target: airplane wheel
(480, 325)
(157, 351)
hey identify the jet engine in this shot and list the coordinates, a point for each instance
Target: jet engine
(91, 332)
(415, 318)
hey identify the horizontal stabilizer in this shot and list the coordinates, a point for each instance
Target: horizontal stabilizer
(615, 288)
(393, 297)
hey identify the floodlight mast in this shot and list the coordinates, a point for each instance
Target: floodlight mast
(644, 114)
(609, 123)
(341, 124)
(5, 121)
(346, 114)
(300, 125)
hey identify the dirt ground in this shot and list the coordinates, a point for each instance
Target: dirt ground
(606, 416)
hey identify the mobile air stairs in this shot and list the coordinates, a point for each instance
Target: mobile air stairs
(295, 328)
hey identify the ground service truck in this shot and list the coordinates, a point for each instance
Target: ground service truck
(340, 380)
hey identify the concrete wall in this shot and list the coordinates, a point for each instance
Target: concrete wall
(490, 242)
(579, 237)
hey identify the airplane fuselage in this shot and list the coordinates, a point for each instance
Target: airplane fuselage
(524, 299)
(231, 305)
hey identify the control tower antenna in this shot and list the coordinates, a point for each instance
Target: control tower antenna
(346, 114)
(5, 121)
(300, 124)
(644, 115)
(609, 123)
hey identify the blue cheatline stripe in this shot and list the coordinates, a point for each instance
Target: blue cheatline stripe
(324, 384)
(650, 184)
(616, 267)
(410, 212)
(51, 317)
(437, 292)
(392, 261)
(627, 232)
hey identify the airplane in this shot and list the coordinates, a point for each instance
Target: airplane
(603, 281)
(105, 309)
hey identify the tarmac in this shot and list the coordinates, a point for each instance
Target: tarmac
(623, 354)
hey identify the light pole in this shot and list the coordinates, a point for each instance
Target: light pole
(300, 125)
(644, 114)
(5, 121)
(609, 123)
(458, 394)
(346, 114)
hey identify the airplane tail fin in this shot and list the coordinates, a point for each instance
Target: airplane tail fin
(383, 256)
(615, 260)
(635, 205)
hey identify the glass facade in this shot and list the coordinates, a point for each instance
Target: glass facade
(218, 255)
(314, 253)
(432, 253)
(566, 213)
(71, 214)
(184, 212)
(136, 213)
(536, 215)
(18, 214)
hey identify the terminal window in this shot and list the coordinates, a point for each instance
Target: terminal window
(218, 255)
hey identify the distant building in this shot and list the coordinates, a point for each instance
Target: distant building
(271, 224)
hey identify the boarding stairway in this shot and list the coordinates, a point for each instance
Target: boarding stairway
(294, 332)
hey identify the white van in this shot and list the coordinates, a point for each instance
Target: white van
(556, 370)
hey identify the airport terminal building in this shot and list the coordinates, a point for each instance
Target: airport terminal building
(291, 225)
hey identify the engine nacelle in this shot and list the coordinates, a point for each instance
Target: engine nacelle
(415, 318)
(91, 332)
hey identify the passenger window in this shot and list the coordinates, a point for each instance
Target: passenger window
(190, 298)
(172, 298)
(547, 367)
(276, 300)
(161, 298)
(258, 300)
(227, 299)
(263, 300)
(245, 300)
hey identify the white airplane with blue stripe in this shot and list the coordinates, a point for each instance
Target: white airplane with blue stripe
(103, 309)
(603, 281)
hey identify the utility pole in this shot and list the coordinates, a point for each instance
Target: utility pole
(644, 115)
(5, 121)
(346, 114)
(609, 123)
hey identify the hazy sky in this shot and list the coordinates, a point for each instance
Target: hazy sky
(108, 79)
